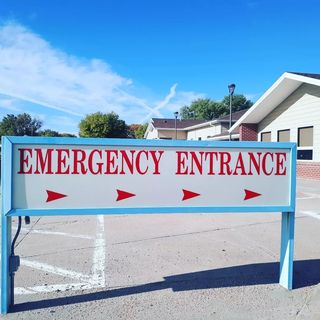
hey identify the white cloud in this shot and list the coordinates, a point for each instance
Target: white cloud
(32, 70)
(163, 103)
(173, 102)
(9, 104)
(181, 99)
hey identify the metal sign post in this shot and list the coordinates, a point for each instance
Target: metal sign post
(68, 176)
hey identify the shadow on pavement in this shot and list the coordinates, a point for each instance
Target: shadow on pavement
(306, 273)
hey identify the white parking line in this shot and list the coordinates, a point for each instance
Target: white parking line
(56, 233)
(311, 214)
(304, 198)
(310, 194)
(97, 280)
(51, 288)
(55, 270)
(98, 260)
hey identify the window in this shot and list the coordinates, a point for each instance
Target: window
(305, 143)
(284, 135)
(305, 137)
(199, 138)
(304, 154)
(266, 136)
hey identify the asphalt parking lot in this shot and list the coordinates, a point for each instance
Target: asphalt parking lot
(197, 266)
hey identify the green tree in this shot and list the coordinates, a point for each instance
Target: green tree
(67, 135)
(103, 125)
(138, 130)
(49, 133)
(203, 109)
(20, 125)
(139, 134)
(53, 133)
(239, 102)
(208, 109)
(8, 125)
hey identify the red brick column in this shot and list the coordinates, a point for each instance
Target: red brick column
(308, 170)
(248, 132)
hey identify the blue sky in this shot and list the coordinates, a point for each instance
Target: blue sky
(61, 60)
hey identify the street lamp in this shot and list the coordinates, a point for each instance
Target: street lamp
(231, 88)
(175, 123)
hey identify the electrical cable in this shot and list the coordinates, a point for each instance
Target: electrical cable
(16, 236)
(12, 256)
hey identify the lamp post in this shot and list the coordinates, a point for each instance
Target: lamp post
(231, 88)
(175, 123)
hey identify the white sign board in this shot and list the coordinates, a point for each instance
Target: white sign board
(121, 176)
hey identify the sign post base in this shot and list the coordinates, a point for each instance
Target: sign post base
(5, 254)
(286, 251)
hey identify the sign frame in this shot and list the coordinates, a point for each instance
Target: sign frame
(288, 212)
(7, 182)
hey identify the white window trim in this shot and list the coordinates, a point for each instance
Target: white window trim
(306, 147)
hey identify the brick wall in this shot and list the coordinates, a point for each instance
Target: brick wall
(308, 170)
(305, 170)
(248, 132)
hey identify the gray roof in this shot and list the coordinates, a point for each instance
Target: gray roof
(309, 75)
(223, 134)
(185, 123)
(170, 123)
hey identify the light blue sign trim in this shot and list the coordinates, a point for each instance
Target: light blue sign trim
(293, 179)
(287, 230)
(150, 143)
(286, 250)
(6, 194)
(143, 210)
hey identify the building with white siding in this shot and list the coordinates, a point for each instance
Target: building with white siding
(288, 111)
(216, 129)
(167, 129)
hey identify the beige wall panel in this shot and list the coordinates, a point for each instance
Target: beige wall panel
(300, 109)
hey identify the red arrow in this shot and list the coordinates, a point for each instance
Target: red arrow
(189, 194)
(250, 194)
(52, 196)
(124, 195)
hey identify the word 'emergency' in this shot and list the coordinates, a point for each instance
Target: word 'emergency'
(63, 161)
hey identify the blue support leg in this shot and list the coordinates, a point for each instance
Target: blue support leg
(5, 253)
(286, 251)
